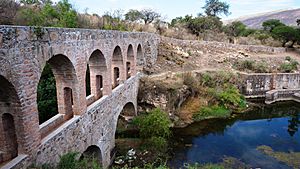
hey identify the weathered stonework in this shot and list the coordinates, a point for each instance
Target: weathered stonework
(24, 52)
(257, 84)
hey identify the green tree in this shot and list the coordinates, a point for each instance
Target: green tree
(46, 14)
(133, 15)
(28, 2)
(286, 34)
(216, 7)
(201, 24)
(181, 20)
(46, 95)
(67, 15)
(155, 124)
(235, 29)
(269, 25)
(298, 22)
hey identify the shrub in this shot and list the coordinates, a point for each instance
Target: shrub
(68, 161)
(155, 124)
(250, 65)
(216, 79)
(230, 96)
(159, 144)
(289, 66)
(211, 111)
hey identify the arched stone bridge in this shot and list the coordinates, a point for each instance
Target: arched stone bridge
(83, 123)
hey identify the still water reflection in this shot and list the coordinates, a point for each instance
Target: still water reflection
(210, 141)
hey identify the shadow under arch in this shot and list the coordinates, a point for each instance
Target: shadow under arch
(125, 118)
(10, 112)
(140, 56)
(130, 62)
(98, 72)
(117, 67)
(92, 153)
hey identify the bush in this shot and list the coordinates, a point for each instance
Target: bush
(289, 66)
(159, 144)
(230, 96)
(211, 111)
(70, 161)
(250, 65)
(216, 79)
(155, 124)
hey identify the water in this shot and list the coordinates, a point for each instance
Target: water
(210, 141)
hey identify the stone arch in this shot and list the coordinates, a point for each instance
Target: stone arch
(125, 117)
(128, 110)
(140, 57)
(117, 67)
(66, 85)
(98, 72)
(130, 62)
(93, 152)
(9, 113)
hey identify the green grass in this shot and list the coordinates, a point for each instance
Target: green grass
(214, 111)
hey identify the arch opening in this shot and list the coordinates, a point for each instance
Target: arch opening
(130, 62)
(61, 73)
(98, 71)
(9, 113)
(91, 154)
(125, 118)
(140, 57)
(46, 95)
(117, 67)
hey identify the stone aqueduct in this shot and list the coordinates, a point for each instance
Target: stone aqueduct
(83, 123)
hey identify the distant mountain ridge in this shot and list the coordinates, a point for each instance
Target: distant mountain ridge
(288, 17)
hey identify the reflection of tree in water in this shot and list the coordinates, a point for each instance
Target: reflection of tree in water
(293, 124)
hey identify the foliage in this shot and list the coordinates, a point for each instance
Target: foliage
(216, 79)
(211, 111)
(250, 65)
(155, 124)
(133, 15)
(286, 34)
(289, 65)
(70, 161)
(203, 23)
(158, 144)
(46, 95)
(230, 97)
(269, 25)
(235, 29)
(181, 20)
(46, 14)
(216, 7)
(298, 22)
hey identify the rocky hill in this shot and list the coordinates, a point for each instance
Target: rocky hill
(288, 17)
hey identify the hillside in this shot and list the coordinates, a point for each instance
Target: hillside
(288, 17)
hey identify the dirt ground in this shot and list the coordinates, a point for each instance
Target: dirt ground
(175, 56)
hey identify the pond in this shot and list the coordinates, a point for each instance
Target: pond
(273, 127)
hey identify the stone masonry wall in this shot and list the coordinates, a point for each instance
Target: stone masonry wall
(257, 84)
(24, 52)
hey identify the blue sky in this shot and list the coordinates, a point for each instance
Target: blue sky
(173, 8)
